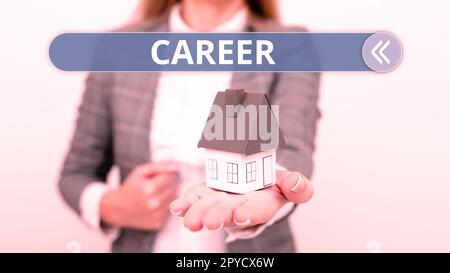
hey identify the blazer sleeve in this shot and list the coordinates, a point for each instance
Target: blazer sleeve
(297, 95)
(90, 156)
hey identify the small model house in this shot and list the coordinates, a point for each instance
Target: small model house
(240, 158)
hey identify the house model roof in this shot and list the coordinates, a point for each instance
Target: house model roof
(249, 145)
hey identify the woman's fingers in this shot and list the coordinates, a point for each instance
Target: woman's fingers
(260, 208)
(193, 218)
(295, 187)
(221, 214)
(179, 206)
(249, 214)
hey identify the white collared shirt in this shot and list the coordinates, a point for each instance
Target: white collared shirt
(182, 104)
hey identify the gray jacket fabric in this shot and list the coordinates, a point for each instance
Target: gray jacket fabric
(113, 128)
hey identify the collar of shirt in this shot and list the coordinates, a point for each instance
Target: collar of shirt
(236, 23)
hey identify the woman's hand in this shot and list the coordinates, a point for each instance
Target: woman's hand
(142, 201)
(202, 206)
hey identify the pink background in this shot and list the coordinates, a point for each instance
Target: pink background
(382, 165)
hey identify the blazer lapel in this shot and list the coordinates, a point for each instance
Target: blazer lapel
(139, 135)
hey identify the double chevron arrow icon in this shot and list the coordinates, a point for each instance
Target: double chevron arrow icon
(378, 47)
(380, 56)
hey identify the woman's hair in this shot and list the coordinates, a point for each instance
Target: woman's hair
(266, 9)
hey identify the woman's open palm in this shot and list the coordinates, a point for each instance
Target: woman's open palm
(202, 206)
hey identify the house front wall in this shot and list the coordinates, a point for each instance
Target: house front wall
(251, 167)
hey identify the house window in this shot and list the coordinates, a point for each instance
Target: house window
(232, 173)
(212, 169)
(251, 171)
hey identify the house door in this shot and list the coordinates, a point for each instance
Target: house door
(267, 170)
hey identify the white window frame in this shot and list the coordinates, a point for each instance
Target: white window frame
(232, 173)
(212, 169)
(250, 172)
